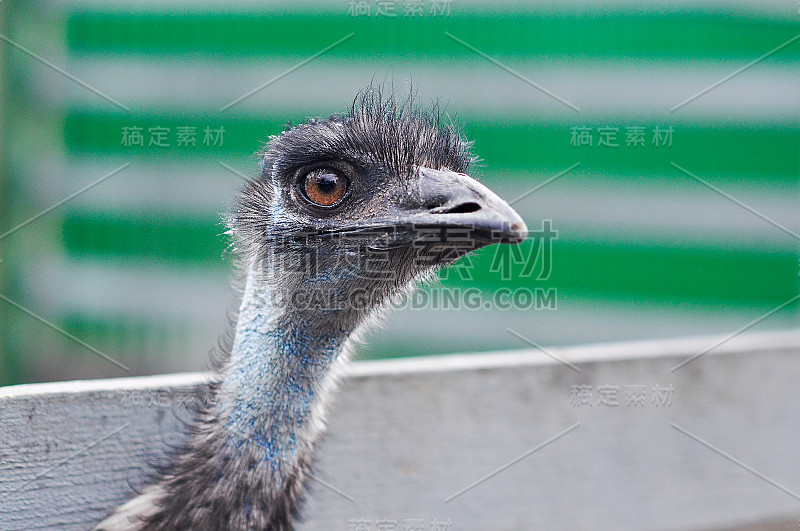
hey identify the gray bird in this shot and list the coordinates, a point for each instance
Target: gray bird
(347, 214)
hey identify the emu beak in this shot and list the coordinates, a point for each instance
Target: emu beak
(457, 200)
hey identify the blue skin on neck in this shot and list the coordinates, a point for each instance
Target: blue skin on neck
(276, 370)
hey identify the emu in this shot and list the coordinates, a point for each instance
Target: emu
(348, 212)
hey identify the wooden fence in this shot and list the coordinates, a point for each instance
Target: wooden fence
(690, 433)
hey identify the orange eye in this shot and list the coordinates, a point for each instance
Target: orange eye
(324, 187)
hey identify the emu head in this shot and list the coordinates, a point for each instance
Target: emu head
(348, 211)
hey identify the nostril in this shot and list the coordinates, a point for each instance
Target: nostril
(463, 208)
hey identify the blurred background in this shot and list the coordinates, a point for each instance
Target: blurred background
(671, 183)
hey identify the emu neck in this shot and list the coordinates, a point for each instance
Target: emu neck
(273, 390)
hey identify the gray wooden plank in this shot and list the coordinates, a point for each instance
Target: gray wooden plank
(407, 435)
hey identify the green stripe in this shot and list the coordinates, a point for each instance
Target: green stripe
(135, 336)
(618, 270)
(17, 333)
(517, 35)
(178, 240)
(722, 151)
(725, 151)
(653, 273)
(95, 132)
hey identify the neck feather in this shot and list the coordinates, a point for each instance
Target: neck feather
(274, 387)
(249, 456)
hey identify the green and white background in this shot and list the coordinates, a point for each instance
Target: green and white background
(695, 233)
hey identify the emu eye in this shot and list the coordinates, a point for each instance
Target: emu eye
(325, 187)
